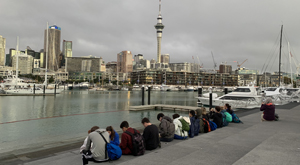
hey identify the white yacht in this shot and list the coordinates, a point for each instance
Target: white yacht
(189, 88)
(241, 97)
(136, 88)
(164, 87)
(124, 89)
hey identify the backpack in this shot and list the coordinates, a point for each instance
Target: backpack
(213, 125)
(228, 117)
(235, 118)
(113, 151)
(185, 125)
(225, 122)
(138, 144)
(206, 125)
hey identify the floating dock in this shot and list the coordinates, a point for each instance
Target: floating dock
(29, 94)
(162, 107)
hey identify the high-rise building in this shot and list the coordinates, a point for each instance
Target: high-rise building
(124, 62)
(159, 28)
(67, 48)
(53, 47)
(165, 58)
(137, 58)
(223, 68)
(2, 50)
(25, 63)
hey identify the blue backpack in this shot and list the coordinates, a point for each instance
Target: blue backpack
(235, 118)
(213, 125)
(225, 122)
(113, 151)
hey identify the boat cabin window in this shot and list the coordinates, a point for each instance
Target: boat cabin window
(242, 90)
(236, 98)
(271, 89)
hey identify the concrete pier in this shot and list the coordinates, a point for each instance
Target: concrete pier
(254, 142)
(162, 107)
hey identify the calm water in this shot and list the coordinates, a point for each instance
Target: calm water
(34, 121)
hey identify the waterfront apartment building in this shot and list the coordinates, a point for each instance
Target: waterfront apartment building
(83, 64)
(54, 34)
(111, 67)
(223, 68)
(124, 62)
(165, 58)
(268, 79)
(183, 78)
(2, 51)
(185, 67)
(25, 63)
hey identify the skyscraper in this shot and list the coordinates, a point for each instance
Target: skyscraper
(2, 50)
(67, 48)
(159, 28)
(165, 58)
(124, 62)
(53, 47)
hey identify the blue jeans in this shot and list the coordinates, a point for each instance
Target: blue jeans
(179, 137)
(166, 139)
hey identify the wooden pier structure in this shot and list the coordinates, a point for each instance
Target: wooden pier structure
(162, 107)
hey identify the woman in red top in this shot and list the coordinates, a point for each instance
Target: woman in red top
(269, 110)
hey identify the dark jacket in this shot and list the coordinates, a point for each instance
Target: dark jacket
(269, 111)
(166, 127)
(151, 137)
(217, 118)
(201, 124)
(126, 142)
(194, 127)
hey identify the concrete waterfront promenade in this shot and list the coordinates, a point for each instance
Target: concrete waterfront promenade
(253, 142)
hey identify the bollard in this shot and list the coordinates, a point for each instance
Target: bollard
(149, 89)
(143, 101)
(34, 89)
(225, 91)
(44, 89)
(200, 92)
(64, 86)
(210, 101)
(55, 90)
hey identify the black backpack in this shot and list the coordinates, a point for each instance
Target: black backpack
(138, 144)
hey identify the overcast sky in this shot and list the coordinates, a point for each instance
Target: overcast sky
(234, 30)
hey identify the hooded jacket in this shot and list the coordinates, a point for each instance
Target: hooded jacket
(199, 116)
(269, 111)
(194, 127)
(178, 127)
(166, 128)
(98, 148)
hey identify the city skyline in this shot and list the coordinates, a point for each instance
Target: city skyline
(234, 31)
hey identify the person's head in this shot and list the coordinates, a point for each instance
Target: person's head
(111, 132)
(227, 106)
(146, 122)
(160, 116)
(89, 131)
(218, 109)
(94, 128)
(269, 101)
(124, 126)
(175, 116)
(192, 113)
(203, 111)
(199, 112)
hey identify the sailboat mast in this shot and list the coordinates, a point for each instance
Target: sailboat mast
(46, 76)
(17, 62)
(290, 64)
(280, 53)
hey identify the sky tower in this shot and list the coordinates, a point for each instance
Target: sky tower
(159, 27)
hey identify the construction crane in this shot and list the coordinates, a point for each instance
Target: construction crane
(215, 64)
(239, 65)
(201, 65)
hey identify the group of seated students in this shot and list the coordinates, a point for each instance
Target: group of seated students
(180, 127)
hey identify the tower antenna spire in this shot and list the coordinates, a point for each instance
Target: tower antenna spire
(160, 7)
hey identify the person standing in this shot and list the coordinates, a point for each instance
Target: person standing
(150, 134)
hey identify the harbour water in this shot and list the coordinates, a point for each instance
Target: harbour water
(36, 121)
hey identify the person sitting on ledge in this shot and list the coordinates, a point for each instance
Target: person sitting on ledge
(216, 116)
(166, 128)
(150, 134)
(179, 133)
(113, 135)
(97, 152)
(195, 124)
(126, 140)
(269, 110)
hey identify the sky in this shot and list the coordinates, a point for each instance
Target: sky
(233, 30)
